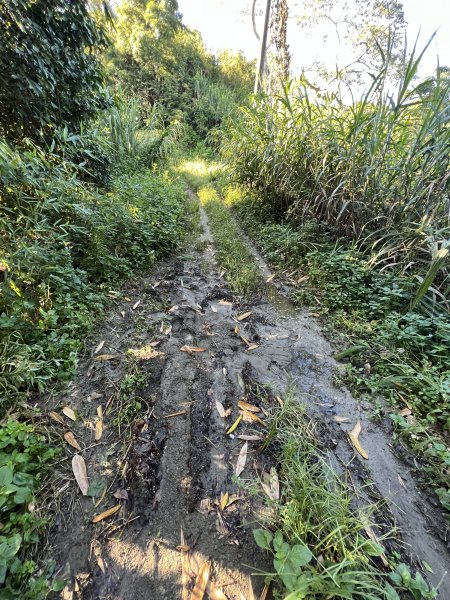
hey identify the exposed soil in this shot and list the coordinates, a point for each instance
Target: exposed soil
(170, 452)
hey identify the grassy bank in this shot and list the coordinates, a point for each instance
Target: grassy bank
(391, 351)
(322, 546)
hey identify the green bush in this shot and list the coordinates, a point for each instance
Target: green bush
(62, 242)
(24, 456)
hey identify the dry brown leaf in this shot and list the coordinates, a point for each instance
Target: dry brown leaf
(98, 430)
(242, 459)
(121, 494)
(122, 314)
(271, 484)
(244, 316)
(339, 419)
(94, 396)
(405, 412)
(173, 308)
(192, 349)
(54, 415)
(135, 305)
(354, 439)
(302, 279)
(221, 409)
(107, 513)
(157, 284)
(264, 592)
(250, 438)
(271, 278)
(225, 303)
(99, 347)
(250, 407)
(215, 593)
(314, 314)
(69, 413)
(79, 470)
(245, 340)
(105, 357)
(201, 582)
(252, 347)
(205, 506)
(70, 439)
(248, 416)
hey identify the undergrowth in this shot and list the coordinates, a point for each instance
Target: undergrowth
(64, 243)
(392, 351)
(323, 544)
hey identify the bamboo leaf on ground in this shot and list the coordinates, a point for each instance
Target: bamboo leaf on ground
(242, 459)
(70, 439)
(80, 472)
(107, 513)
(354, 439)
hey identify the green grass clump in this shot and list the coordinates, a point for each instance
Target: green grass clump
(321, 547)
(234, 257)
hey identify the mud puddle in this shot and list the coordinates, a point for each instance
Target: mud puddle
(163, 455)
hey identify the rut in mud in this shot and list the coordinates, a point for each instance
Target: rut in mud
(177, 460)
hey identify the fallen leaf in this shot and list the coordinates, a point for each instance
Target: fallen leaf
(303, 279)
(242, 459)
(224, 501)
(105, 357)
(94, 396)
(122, 314)
(205, 506)
(244, 316)
(339, 419)
(401, 482)
(121, 494)
(69, 413)
(100, 411)
(201, 582)
(225, 303)
(317, 315)
(271, 484)
(235, 424)
(135, 305)
(221, 409)
(174, 308)
(245, 340)
(98, 430)
(213, 308)
(54, 415)
(250, 438)
(157, 284)
(70, 439)
(250, 407)
(192, 349)
(107, 513)
(405, 412)
(264, 592)
(127, 299)
(353, 436)
(215, 593)
(280, 401)
(252, 347)
(79, 470)
(99, 347)
(248, 416)
(271, 278)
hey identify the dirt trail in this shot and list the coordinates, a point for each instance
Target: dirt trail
(171, 463)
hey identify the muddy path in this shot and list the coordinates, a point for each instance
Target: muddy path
(163, 455)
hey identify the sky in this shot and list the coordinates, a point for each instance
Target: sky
(223, 24)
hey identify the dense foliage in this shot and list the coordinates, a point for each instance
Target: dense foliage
(49, 66)
(373, 170)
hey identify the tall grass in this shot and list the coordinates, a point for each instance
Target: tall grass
(374, 170)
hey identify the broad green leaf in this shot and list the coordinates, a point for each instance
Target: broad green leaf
(263, 538)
